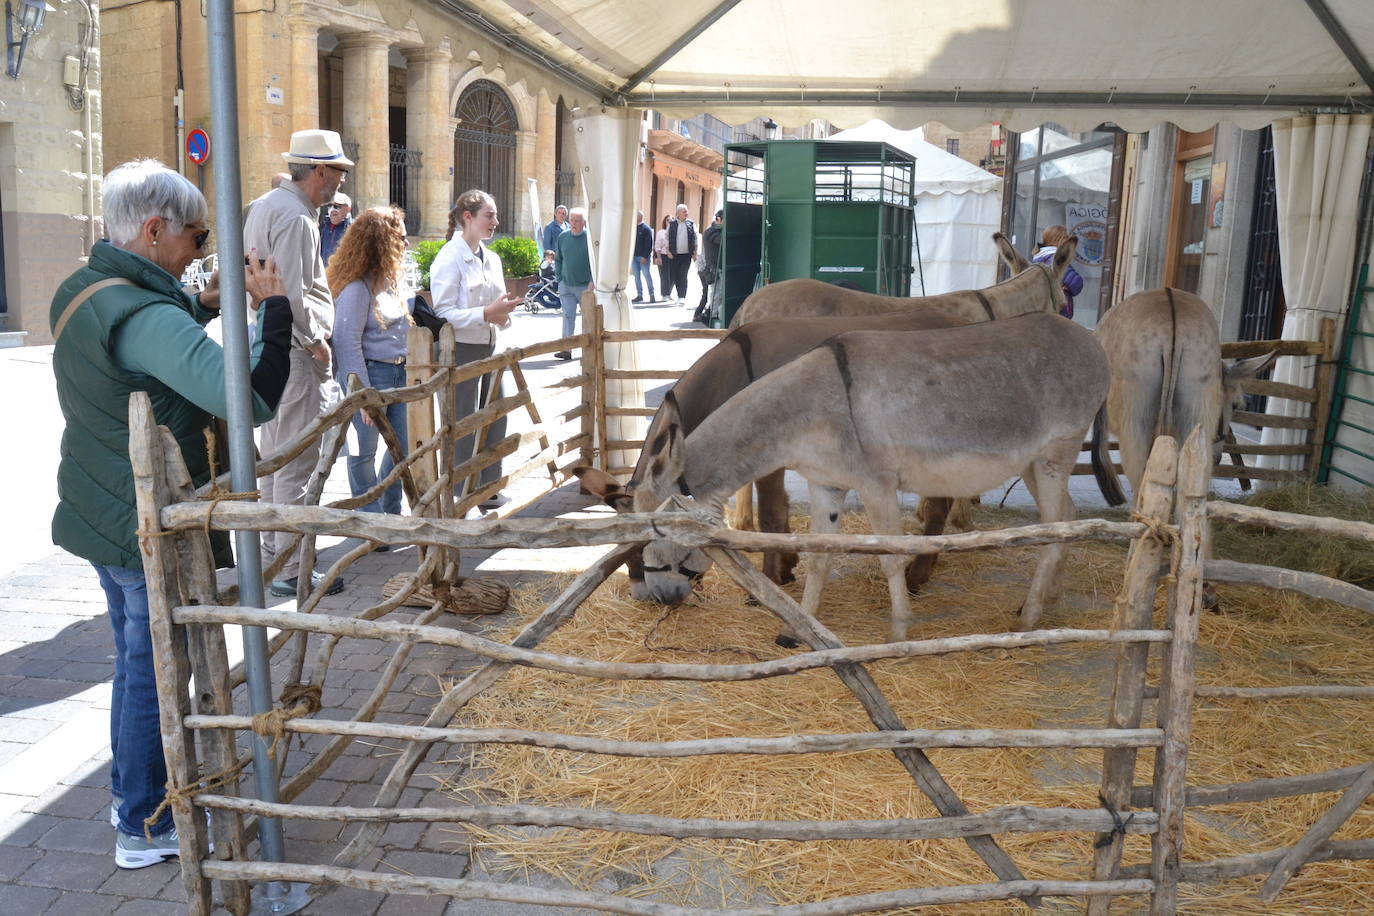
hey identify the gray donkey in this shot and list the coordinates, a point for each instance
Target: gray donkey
(1167, 377)
(1031, 288)
(953, 411)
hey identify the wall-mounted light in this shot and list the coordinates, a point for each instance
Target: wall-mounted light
(29, 20)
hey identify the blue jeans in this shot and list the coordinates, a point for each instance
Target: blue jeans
(640, 266)
(362, 467)
(570, 296)
(138, 772)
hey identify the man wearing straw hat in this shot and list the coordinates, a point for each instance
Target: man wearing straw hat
(282, 224)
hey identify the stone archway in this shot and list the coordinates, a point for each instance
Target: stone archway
(484, 141)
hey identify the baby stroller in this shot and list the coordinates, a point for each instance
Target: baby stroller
(543, 291)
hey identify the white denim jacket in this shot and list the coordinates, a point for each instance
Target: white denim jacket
(463, 284)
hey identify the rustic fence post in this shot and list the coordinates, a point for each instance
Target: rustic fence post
(210, 669)
(1174, 710)
(169, 647)
(1326, 371)
(594, 367)
(1133, 611)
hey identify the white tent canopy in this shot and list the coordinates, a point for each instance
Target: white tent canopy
(1018, 62)
(958, 208)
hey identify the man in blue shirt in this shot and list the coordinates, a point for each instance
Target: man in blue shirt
(644, 250)
(334, 224)
(556, 228)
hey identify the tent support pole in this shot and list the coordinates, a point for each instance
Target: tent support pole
(224, 104)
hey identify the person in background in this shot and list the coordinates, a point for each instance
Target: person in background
(708, 267)
(469, 289)
(639, 263)
(284, 224)
(682, 248)
(664, 259)
(122, 325)
(572, 264)
(279, 179)
(371, 322)
(335, 223)
(1072, 283)
(556, 228)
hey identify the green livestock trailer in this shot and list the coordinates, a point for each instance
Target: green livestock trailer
(836, 211)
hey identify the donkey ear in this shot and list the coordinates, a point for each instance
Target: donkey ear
(1233, 375)
(1251, 367)
(1063, 256)
(1009, 255)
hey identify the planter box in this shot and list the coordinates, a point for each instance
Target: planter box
(519, 285)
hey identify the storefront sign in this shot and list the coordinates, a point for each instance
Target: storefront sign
(680, 173)
(1089, 223)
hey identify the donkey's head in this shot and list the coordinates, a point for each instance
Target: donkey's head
(1232, 397)
(665, 571)
(1052, 297)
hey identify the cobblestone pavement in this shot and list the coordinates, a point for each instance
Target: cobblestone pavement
(56, 662)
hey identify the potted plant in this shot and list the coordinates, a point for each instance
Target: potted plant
(519, 261)
(424, 253)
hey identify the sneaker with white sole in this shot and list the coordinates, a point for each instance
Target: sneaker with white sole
(138, 852)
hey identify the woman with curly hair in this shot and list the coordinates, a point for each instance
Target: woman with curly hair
(371, 320)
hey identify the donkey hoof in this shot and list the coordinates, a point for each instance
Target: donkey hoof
(787, 642)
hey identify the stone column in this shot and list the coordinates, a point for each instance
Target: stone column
(365, 120)
(546, 134)
(428, 130)
(519, 218)
(304, 103)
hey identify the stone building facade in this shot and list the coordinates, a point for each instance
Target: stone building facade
(427, 107)
(50, 168)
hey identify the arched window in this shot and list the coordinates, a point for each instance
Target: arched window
(484, 146)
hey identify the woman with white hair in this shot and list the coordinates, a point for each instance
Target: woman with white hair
(122, 324)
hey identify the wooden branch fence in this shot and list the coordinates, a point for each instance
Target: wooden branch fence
(201, 727)
(1313, 425)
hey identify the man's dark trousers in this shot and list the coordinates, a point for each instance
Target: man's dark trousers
(681, 264)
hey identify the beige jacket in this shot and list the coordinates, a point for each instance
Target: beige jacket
(283, 224)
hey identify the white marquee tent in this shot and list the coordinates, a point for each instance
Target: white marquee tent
(958, 208)
(1022, 63)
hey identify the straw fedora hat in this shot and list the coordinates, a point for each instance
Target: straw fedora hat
(317, 147)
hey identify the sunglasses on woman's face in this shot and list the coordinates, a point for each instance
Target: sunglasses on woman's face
(200, 238)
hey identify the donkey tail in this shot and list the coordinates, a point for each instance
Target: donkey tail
(1107, 480)
(1164, 419)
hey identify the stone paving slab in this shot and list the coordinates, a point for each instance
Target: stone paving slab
(56, 661)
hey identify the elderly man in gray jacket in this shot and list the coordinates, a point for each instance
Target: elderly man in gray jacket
(284, 224)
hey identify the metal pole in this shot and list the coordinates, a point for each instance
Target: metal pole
(224, 107)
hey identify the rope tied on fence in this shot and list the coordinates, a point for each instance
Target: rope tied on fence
(1118, 825)
(1160, 531)
(297, 700)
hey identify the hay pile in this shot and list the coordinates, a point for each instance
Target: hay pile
(1262, 639)
(1339, 558)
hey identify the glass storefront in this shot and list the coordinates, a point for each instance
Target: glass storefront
(1062, 177)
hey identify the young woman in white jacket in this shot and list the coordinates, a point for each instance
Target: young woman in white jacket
(469, 291)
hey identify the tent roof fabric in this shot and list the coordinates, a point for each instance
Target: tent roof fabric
(937, 172)
(1018, 62)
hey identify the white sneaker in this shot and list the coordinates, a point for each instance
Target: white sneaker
(136, 852)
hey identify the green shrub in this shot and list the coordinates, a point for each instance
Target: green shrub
(519, 256)
(424, 256)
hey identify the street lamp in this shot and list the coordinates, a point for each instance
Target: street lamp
(30, 21)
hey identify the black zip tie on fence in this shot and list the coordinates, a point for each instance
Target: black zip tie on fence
(1118, 825)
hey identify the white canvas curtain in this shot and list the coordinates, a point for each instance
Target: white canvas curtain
(607, 142)
(1317, 165)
